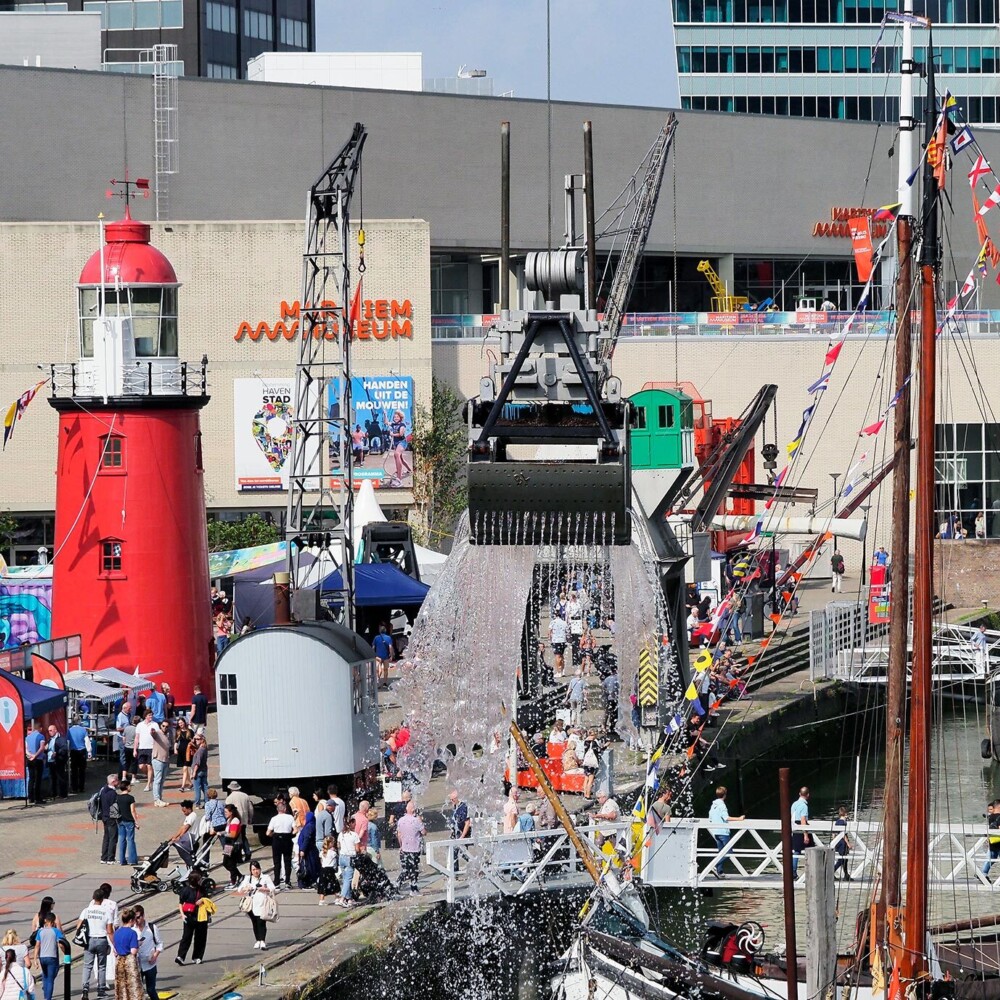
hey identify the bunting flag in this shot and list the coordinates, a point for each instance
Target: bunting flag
(355, 313)
(989, 249)
(823, 382)
(937, 152)
(834, 352)
(807, 413)
(980, 169)
(16, 410)
(872, 429)
(962, 139)
(887, 213)
(778, 480)
(970, 284)
(674, 725)
(994, 199)
(692, 692)
(853, 475)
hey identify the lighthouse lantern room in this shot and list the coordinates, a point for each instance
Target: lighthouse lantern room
(130, 570)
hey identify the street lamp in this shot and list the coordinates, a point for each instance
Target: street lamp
(864, 546)
(835, 476)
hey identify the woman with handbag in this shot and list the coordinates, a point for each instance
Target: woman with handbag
(591, 762)
(258, 903)
(232, 846)
(194, 929)
(16, 981)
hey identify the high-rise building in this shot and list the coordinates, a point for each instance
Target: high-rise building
(821, 58)
(214, 38)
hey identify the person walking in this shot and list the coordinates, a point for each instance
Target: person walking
(244, 805)
(183, 735)
(47, 953)
(385, 653)
(57, 755)
(350, 848)
(374, 847)
(214, 822)
(150, 949)
(610, 688)
(980, 643)
(99, 932)
(34, 749)
(308, 870)
(16, 981)
(161, 759)
(44, 909)
(411, 832)
(79, 752)
(575, 691)
(143, 747)
(199, 771)
(800, 818)
(195, 931)
(232, 846)
(718, 814)
(128, 981)
(128, 823)
(843, 846)
(199, 708)
(837, 568)
(281, 830)
(258, 887)
(106, 798)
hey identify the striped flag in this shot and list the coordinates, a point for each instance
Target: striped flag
(970, 284)
(823, 382)
(853, 475)
(980, 169)
(16, 410)
(887, 212)
(994, 199)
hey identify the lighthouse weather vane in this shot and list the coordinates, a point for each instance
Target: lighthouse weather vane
(128, 189)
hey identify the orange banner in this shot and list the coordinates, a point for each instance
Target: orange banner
(861, 243)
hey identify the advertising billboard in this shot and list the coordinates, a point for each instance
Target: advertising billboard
(262, 433)
(380, 429)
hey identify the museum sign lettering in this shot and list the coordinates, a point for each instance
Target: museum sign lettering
(378, 319)
(840, 226)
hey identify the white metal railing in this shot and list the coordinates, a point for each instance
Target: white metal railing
(685, 854)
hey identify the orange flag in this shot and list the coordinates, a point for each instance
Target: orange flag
(937, 150)
(355, 313)
(895, 991)
(751, 660)
(764, 643)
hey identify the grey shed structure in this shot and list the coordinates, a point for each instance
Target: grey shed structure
(298, 705)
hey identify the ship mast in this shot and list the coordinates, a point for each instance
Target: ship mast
(918, 813)
(900, 545)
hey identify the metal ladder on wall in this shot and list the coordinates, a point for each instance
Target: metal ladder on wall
(165, 71)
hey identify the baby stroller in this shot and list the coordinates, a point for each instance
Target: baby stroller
(145, 877)
(201, 863)
(373, 883)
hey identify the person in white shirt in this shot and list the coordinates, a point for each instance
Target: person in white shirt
(258, 887)
(350, 847)
(327, 885)
(144, 747)
(557, 639)
(184, 839)
(150, 949)
(558, 733)
(16, 981)
(99, 928)
(281, 830)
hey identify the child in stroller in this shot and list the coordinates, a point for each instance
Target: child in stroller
(201, 863)
(371, 882)
(145, 877)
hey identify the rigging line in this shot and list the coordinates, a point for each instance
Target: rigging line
(674, 304)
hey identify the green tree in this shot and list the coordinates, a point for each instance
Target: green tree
(439, 444)
(249, 531)
(8, 525)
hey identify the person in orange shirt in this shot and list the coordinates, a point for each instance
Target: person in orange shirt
(298, 807)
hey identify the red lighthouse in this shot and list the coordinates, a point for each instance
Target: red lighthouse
(130, 571)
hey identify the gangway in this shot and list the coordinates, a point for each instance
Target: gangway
(684, 855)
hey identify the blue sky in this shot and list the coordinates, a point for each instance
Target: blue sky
(602, 51)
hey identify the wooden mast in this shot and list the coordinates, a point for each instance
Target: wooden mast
(895, 708)
(918, 812)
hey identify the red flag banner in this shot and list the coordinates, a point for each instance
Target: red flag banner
(861, 243)
(12, 767)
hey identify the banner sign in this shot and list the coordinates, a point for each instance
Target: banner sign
(878, 596)
(262, 422)
(380, 430)
(861, 243)
(12, 763)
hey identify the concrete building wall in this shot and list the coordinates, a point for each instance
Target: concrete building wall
(66, 41)
(230, 273)
(746, 185)
(730, 370)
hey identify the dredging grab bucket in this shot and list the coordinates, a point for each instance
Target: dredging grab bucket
(548, 503)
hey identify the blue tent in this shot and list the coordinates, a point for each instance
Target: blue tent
(36, 699)
(381, 585)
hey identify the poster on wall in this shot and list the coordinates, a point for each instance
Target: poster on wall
(12, 776)
(262, 426)
(380, 428)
